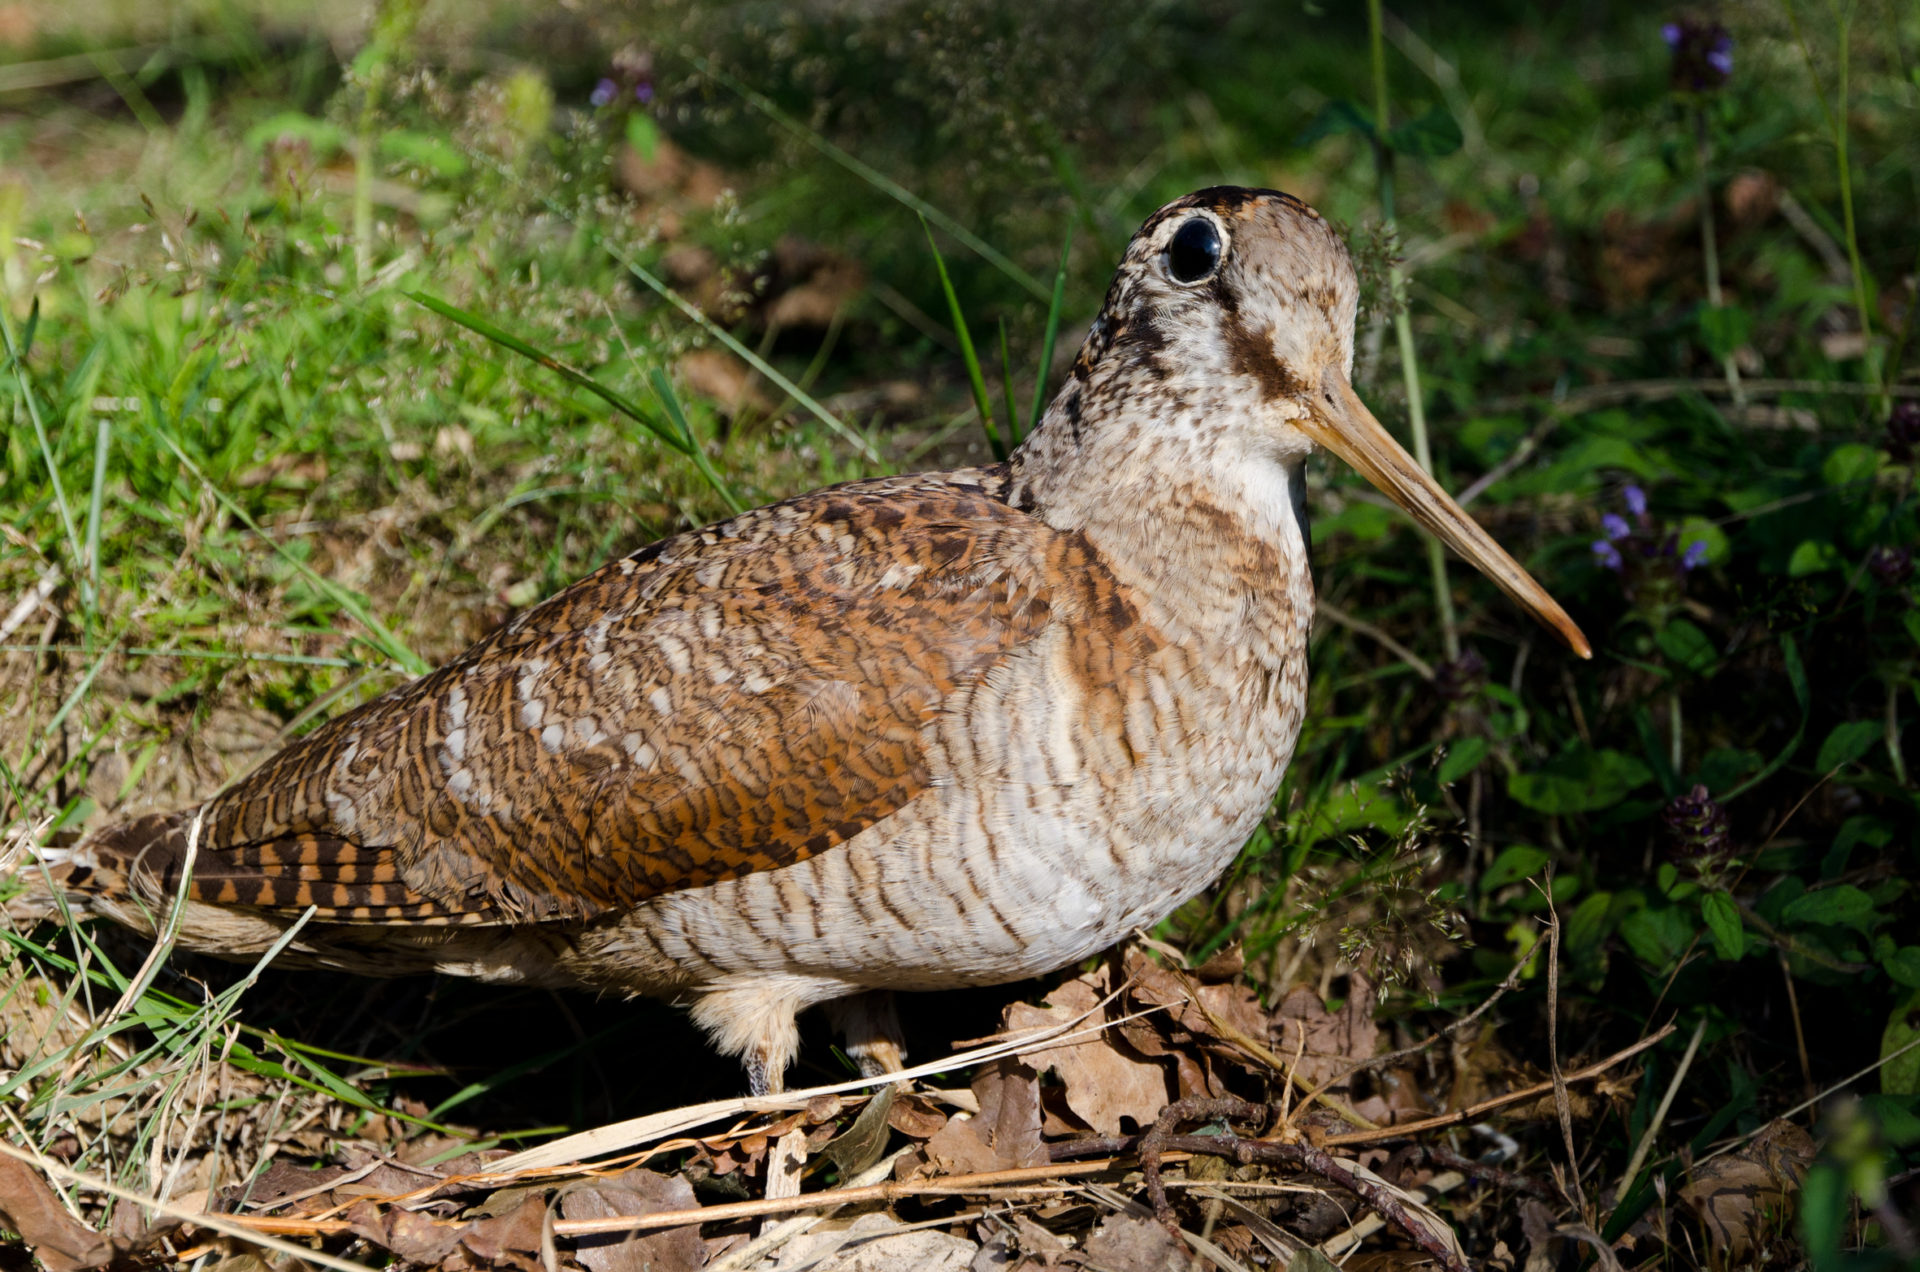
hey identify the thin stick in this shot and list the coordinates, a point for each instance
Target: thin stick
(1799, 1031)
(231, 1225)
(1334, 614)
(1641, 1149)
(1471, 1112)
(1561, 1103)
(1804, 1105)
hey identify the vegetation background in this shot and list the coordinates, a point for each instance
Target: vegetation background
(1644, 280)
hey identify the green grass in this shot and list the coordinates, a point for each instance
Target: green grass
(321, 376)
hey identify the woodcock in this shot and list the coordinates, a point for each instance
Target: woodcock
(947, 729)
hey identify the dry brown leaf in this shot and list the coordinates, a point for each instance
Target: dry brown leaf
(1743, 1196)
(878, 1242)
(511, 1239)
(1334, 1041)
(1005, 1133)
(1131, 1243)
(637, 1192)
(1102, 1082)
(915, 1116)
(413, 1238)
(1206, 1010)
(723, 379)
(31, 1208)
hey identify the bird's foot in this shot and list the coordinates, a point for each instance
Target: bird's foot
(870, 1026)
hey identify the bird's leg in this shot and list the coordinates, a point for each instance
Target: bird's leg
(763, 1078)
(870, 1026)
(786, 1156)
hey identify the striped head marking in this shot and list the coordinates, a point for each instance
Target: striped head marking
(1241, 299)
(1223, 353)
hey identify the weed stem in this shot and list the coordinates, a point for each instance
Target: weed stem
(1403, 328)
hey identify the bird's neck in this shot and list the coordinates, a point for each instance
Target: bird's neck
(1215, 548)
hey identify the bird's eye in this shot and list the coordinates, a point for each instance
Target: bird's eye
(1194, 251)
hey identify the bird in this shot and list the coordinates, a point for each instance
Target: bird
(915, 732)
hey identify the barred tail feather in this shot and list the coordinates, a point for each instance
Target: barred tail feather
(140, 863)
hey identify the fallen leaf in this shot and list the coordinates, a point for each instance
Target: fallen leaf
(1005, 1133)
(1131, 1243)
(865, 1142)
(637, 1192)
(414, 1238)
(31, 1208)
(915, 1116)
(1326, 1042)
(878, 1242)
(723, 379)
(1741, 1197)
(511, 1239)
(1102, 1083)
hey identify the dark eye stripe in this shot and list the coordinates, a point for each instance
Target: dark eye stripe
(1194, 251)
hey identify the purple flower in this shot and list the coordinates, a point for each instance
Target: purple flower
(603, 92)
(1695, 556)
(643, 92)
(1697, 826)
(1615, 527)
(1720, 55)
(1636, 500)
(1607, 554)
(1702, 55)
(1892, 566)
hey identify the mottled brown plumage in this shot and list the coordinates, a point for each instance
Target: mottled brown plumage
(919, 731)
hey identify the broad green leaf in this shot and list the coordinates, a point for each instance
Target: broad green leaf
(1699, 530)
(322, 137)
(1721, 767)
(1463, 757)
(1521, 861)
(1903, 964)
(1901, 1074)
(1430, 136)
(1658, 935)
(1796, 670)
(1841, 906)
(1579, 780)
(1847, 743)
(1723, 329)
(1365, 522)
(1338, 116)
(1355, 806)
(643, 135)
(1687, 645)
(1586, 934)
(1723, 922)
(424, 150)
(1850, 463)
(1812, 557)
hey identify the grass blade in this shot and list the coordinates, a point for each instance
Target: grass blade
(663, 388)
(102, 442)
(384, 638)
(875, 178)
(1006, 388)
(1054, 308)
(974, 374)
(507, 340)
(747, 355)
(17, 357)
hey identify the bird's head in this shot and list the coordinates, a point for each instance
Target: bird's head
(1230, 321)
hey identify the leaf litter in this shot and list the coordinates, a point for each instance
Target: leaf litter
(1174, 1117)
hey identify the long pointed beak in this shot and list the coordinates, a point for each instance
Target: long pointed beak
(1341, 422)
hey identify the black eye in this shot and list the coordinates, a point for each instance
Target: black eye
(1194, 251)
